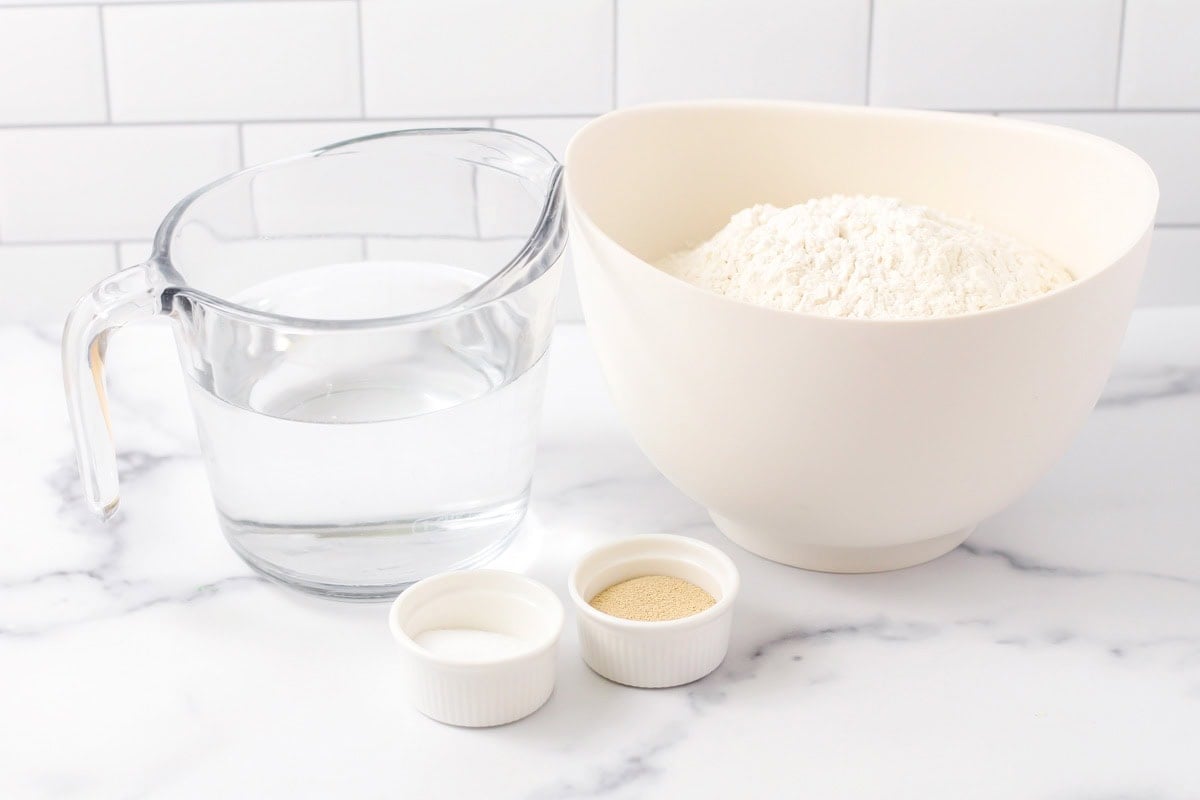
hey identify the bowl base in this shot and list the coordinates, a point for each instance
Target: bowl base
(825, 558)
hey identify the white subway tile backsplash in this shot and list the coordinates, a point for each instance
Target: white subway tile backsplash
(269, 141)
(63, 184)
(42, 282)
(569, 308)
(483, 256)
(51, 67)
(794, 49)
(405, 194)
(1173, 274)
(78, 79)
(244, 262)
(130, 253)
(479, 57)
(227, 61)
(284, 255)
(551, 132)
(1168, 142)
(995, 54)
(1160, 63)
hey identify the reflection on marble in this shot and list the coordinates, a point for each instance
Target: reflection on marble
(1054, 655)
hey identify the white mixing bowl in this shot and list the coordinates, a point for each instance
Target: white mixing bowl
(836, 444)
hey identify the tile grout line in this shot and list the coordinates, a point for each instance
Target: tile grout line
(475, 194)
(297, 120)
(1120, 55)
(1124, 111)
(116, 243)
(870, 47)
(241, 144)
(615, 49)
(442, 237)
(116, 247)
(1184, 226)
(362, 63)
(61, 242)
(166, 3)
(104, 66)
(150, 239)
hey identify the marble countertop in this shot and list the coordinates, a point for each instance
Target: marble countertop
(1054, 655)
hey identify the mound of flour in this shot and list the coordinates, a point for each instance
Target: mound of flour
(865, 257)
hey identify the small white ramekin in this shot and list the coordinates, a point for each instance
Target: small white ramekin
(654, 654)
(478, 693)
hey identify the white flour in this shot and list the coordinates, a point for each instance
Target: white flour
(865, 257)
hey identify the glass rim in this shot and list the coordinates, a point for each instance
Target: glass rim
(544, 243)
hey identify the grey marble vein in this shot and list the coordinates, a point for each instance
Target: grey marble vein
(1131, 389)
(1081, 674)
(1021, 563)
(128, 605)
(126, 593)
(44, 333)
(636, 767)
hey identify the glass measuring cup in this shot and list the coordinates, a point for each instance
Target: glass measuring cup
(363, 332)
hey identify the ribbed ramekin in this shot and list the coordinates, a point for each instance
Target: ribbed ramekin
(654, 654)
(479, 692)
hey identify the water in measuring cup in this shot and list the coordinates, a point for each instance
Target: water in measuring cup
(354, 463)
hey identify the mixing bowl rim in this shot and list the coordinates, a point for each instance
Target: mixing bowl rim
(578, 216)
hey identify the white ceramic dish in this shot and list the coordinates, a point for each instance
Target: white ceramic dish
(654, 654)
(835, 444)
(479, 691)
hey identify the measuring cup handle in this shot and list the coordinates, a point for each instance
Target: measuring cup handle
(131, 294)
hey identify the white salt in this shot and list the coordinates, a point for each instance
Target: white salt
(467, 644)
